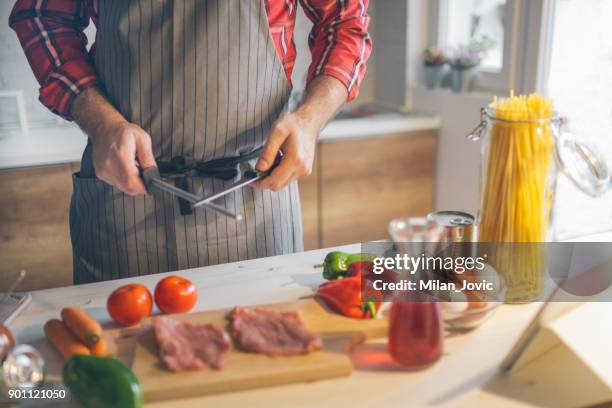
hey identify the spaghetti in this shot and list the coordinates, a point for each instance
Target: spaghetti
(516, 196)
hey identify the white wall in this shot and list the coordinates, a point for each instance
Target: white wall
(15, 74)
(458, 159)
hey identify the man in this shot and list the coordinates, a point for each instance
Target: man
(181, 85)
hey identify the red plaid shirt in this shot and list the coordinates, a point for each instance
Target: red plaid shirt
(51, 34)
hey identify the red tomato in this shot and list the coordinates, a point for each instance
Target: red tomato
(129, 304)
(175, 295)
(7, 341)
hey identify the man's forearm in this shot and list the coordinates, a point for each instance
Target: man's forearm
(93, 112)
(325, 95)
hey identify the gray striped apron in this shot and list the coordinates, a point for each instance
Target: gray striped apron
(203, 78)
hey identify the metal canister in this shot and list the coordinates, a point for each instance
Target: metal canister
(457, 232)
(458, 226)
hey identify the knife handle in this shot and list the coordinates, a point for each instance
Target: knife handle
(148, 175)
(261, 174)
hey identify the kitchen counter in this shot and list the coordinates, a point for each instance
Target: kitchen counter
(42, 147)
(461, 377)
(378, 125)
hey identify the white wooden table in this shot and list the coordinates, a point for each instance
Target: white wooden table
(463, 377)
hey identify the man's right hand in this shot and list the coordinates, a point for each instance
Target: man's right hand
(118, 151)
(119, 147)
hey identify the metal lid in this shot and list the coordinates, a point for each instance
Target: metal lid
(583, 165)
(451, 218)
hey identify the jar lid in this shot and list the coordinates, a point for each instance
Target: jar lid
(583, 165)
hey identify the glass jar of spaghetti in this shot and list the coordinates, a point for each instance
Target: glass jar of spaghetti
(522, 149)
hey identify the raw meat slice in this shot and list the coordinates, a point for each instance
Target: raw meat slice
(271, 333)
(190, 346)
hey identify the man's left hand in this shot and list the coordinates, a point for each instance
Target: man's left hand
(296, 134)
(296, 138)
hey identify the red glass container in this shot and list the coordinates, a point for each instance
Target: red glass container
(415, 333)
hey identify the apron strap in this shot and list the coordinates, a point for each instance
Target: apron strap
(224, 168)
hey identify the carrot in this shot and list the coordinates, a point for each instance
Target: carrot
(477, 305)
(99, 348)
(84, 327)
(63, 340)
(475, 300)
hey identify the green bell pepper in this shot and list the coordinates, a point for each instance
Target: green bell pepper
(336, 263)
(102, 382)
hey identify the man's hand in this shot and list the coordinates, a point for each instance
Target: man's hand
(295, 135)
(297, 139)
(119, 147)
(118, 151)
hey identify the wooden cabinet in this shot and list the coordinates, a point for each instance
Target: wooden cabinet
(34, 230)
(310, 201)
(359, 185)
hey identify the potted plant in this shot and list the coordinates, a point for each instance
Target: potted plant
(434, 60)
(463, 61)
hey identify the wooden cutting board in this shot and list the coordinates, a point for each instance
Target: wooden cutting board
(248, 370)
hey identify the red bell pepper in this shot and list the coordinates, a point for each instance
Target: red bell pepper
(344, 297)
(360, 268)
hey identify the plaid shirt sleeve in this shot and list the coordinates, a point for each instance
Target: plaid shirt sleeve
(339, 40)
(51, 34)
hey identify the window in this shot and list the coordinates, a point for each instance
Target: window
(579, 82)
(477, 20)
(562, 48)
(456, 22)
